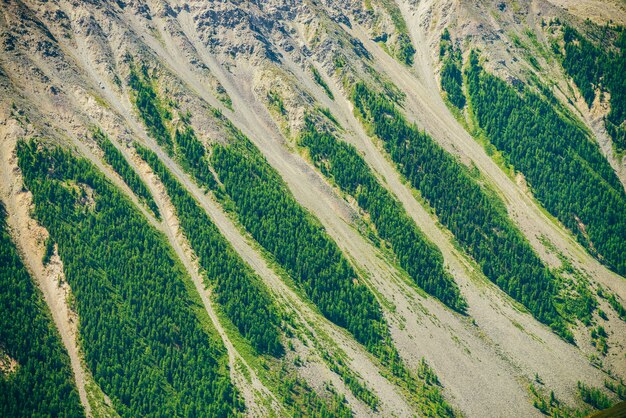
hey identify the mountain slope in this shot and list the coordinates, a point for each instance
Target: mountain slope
(205, 128)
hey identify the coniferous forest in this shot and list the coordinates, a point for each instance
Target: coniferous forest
(316, 209)
(299, 244)
(600, 68)
(272, 215)
(414, 252)
(451, 76)
(235, 283)
(478, 221)
(116, 159)
(268, 210)
(142, 339)
(35, 374)
(564, 167)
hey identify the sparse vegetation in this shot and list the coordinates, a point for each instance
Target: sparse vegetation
(305, 402)
(551, 406)
(359, 390)
(598, 339)
(276, 102)
(617, 387)
(594, 396)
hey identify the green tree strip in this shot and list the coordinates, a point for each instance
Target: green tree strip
(116, 159)
(594, 396)
(348, 304)
(195, 162)
(566, 170)
(478, 221)
(421, 259)
(152, 111)
(41, 382)
(188, 150)
(320, 80)
(192, 155)
(451, 76)
(599, 67)
(297, 240)
(143, 341)
(236, 285)
(268, 210)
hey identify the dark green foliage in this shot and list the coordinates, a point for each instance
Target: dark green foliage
(578, 304)
(598, 339)
(296, 394)
(593, 396)
(566, 170)
(239, 291)
(299, 244)
(581, 62)
(276, 102)
(143, 342)
(541, 404)
(418, 256)
(617, 306)
(600, 67)
(452, 82)
(297, 240)
(152, 111)
(192, 155)
(445, 36)
(189, 151)
(426, 373)
(326, 112)
(478, 221)
(405, 51)
(358, 389)
(42, 384)
(49, 251)
(617, 388)
(319, 80)
(451, 76)
(116, 159)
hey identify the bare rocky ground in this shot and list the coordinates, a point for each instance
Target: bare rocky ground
(66, 76)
